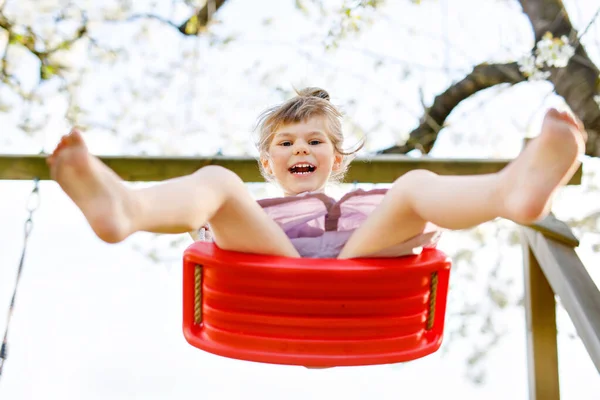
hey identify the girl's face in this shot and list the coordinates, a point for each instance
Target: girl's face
(301, 156)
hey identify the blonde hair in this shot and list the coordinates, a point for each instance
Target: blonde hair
(309, 102)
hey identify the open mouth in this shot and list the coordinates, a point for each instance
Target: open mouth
(302, 169)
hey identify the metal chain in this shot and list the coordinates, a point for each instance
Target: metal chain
(33, 202)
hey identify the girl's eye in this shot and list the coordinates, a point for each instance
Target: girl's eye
(314, 142)
(285, 143)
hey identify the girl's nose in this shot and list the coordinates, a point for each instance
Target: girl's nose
(301, 148)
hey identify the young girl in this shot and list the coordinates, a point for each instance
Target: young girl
(301, 149)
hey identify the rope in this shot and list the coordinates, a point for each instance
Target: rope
(432, 299)
(33, 203)
(198, 294)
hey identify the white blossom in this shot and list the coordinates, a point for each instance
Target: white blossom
(72, 13)
(3, 41)
(527, 65)
(540, 75)
(550, 52)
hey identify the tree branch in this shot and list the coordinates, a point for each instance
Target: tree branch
(135, 17)
(482, 77)
(547, 16)
(200, 20)
(4, 22)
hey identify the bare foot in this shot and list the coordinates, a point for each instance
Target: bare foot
(548, 162)
(95, 188)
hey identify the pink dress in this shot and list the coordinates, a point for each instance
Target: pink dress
(319, 226)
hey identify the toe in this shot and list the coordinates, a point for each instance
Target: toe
(75, 137)
(62, 143)
(575, 123)
(552, 113)
(569, 118)
(69, 139)
(58, 148)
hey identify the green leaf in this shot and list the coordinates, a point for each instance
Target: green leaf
(48, 71)
(192, 26)
(15, 38)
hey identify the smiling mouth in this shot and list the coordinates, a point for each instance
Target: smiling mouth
(302, 169)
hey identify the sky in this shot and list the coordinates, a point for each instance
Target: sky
(99, 321)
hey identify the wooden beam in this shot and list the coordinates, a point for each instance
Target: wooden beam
(540, 315)
(379, 169)
(553, 228)
(570, 280)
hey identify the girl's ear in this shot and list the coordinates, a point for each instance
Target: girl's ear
(338, 160)
(264, 161)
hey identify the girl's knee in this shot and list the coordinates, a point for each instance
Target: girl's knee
(408, 184)
(218, 174)
(415, 177)
(219, 178)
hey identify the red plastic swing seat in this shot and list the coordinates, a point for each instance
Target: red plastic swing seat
(314, 312)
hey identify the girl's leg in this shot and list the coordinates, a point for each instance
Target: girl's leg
(212, 194)
(521, 192)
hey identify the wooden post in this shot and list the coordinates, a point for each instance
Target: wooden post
(570, 281)
(540, 314)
